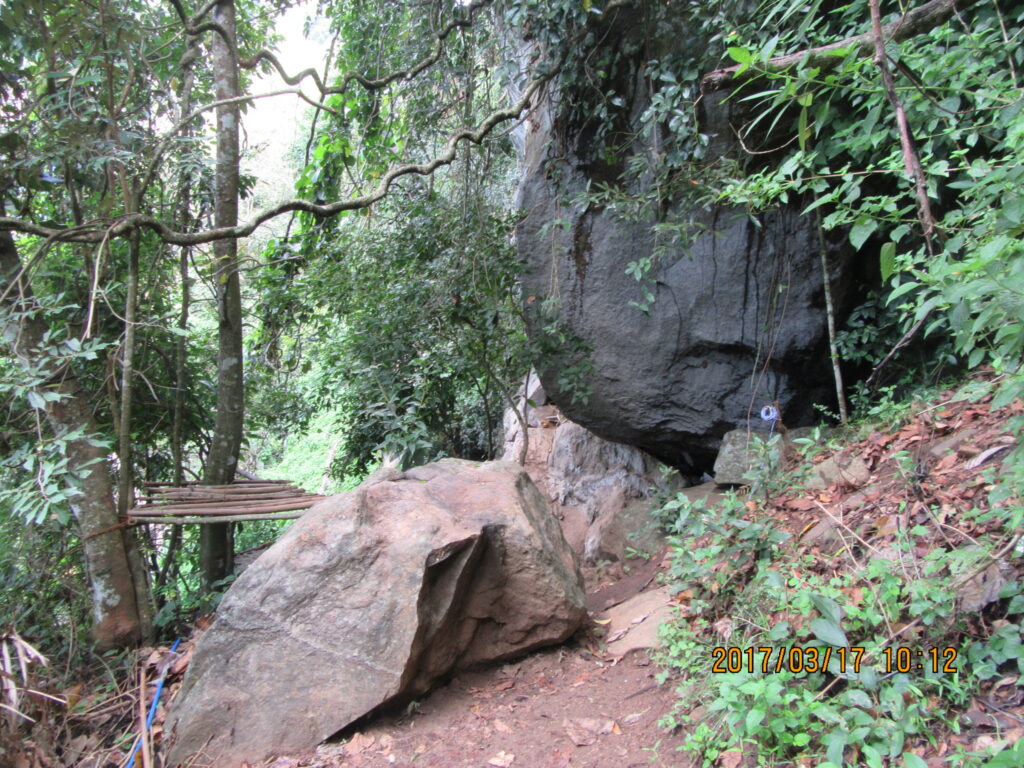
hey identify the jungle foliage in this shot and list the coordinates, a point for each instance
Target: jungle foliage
(822, 130)
(397, 328)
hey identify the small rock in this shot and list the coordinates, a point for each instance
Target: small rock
(621, 526)
(740, 452)
(606, 537)
(634, 624)
(824, 535)
(707, 493)
(583, 731)
(951, 443)
(737, 454)
(841, 469)
(502, 760)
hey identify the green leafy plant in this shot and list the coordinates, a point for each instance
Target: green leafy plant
(715, 535)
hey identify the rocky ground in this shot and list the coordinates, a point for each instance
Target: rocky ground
(594, 702)
(568, 706)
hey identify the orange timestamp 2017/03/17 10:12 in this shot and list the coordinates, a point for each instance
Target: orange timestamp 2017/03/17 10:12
(798, 659)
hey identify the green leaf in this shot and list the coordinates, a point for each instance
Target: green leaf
(829, 632)
(861, 230)
(887, 259)
(827, 607)
(899, 290)
(779, 631)
(836, 742)
(872, 756)
(740, 55)
(754, 718)
(910, 760)
(36, 400)
(1008, 758)
(868, 677)
(857, 698)
(818, 203)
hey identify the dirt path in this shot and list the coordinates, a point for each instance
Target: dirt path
(580, 705)
(555, 709)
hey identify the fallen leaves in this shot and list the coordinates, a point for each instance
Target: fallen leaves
(359, 743)
(981, 589)
(933, 462)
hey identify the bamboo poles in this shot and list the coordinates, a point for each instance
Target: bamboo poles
(196, 502)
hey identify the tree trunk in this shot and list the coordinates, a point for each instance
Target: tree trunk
(181, 343)
(830, 317)
(215, 540)
(120, 605)
(124, 432)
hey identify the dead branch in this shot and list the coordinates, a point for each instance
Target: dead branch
(911, 160)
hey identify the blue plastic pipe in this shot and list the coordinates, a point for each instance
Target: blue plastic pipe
(152, 708)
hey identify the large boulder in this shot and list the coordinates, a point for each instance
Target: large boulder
(738, 317)
(589, 483)
(584, 469)
(369, 600)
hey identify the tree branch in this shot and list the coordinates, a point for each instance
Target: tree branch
(96, 230)
(180, 10)
(202, 12)
(911, 161)
(158, 152)
(370, 84)
(827, 57)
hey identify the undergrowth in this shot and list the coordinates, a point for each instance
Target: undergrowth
(789, 652)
